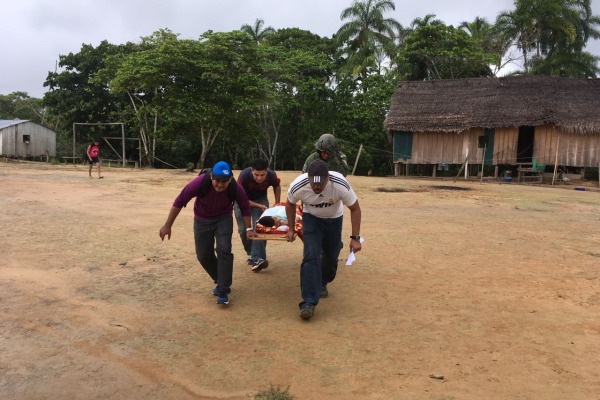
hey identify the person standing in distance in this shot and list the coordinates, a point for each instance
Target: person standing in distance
(328, 151)
(256, 180)
(92, 154)
(213, 223)
(323, 194)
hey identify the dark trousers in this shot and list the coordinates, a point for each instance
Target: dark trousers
(219, 265)
(322, 244)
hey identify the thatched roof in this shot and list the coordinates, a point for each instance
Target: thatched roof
(457, 105)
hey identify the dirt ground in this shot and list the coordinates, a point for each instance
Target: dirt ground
(494, 286)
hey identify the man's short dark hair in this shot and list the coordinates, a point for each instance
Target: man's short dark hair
(260, 165)
(267, 221)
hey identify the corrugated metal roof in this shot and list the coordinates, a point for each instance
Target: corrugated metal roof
(5, 123)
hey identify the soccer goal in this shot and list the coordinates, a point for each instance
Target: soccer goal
(121, 156)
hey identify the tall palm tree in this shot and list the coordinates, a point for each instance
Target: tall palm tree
(257, 32)
(579, 26)
(366, 33)
(543, 27)
(519, 25)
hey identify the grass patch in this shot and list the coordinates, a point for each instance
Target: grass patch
(274, 393)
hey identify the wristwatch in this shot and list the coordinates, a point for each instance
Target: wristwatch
(357, 238)
(249, 229)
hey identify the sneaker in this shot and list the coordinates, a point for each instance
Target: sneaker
(250, 260)
(324, 291)
(260, 264)
(222, 298)
(307, 311)
(216, 291)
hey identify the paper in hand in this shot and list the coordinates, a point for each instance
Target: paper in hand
(351, 256)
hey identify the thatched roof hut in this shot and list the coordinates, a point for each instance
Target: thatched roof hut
(496, 121)
(458, 105)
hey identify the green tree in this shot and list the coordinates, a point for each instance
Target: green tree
(297, 65)
(491, 41)
(73, 96)
(427, 20)
(572, 64)
(366, 35)
(217, 90)
(360, 117)
(18, 105)
(143, 77)
(551, 28)
(442, 52)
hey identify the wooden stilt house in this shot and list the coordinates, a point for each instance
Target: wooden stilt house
(520, 122)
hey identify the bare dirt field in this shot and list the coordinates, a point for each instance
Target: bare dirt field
(494, 286)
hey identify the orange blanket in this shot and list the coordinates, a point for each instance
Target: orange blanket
(267, 233)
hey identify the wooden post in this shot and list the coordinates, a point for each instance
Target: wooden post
(555, 160)
(482, 164)
(462, 167)
(357, 157)
(123, 140)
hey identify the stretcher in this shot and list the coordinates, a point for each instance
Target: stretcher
(271, 233)
(269, 236)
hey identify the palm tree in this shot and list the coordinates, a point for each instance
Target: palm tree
(366, 34)
(427, 20)
(548, 26)
(489, 39)
(256, 32)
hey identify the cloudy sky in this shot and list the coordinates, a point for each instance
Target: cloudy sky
(33, 33)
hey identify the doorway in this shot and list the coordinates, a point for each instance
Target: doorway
(525, 144)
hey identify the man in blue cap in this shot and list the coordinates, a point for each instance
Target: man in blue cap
(213, 223)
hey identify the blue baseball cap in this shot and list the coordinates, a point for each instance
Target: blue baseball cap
(221, 170)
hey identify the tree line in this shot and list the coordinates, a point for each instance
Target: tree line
(258, 92)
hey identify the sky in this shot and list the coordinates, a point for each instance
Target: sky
(34, 33)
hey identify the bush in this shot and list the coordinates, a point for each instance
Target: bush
(274, 393)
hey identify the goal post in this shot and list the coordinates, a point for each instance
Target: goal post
(122, 155)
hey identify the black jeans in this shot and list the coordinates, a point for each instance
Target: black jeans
(218, 265)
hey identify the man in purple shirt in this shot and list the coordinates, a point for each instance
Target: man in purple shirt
(213, 223)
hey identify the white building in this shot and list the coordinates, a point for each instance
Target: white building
(26, 139)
